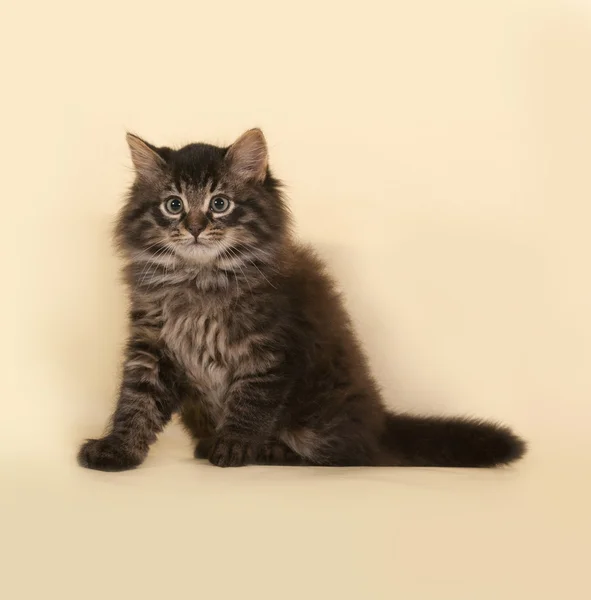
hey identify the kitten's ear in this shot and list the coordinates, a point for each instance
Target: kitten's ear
(248, 157)
(147, 162)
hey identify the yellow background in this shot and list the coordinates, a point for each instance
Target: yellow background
(437, 155)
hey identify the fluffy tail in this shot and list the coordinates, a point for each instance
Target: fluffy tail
(448, 442)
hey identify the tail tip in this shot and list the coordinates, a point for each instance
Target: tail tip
(509, 448)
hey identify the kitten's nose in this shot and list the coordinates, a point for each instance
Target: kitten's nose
(196, 230)
(196, 224)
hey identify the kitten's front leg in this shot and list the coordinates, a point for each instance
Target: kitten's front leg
(146, 402)
(252, 411)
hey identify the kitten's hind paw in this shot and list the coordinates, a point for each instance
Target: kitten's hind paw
(229, 452)
(107, 454)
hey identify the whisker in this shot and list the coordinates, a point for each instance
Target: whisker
(225, 255)
(240, 267)
(257, 251)
(144, 250)
(256, 266)
(264, 276)
(169, 253)
(151, 262)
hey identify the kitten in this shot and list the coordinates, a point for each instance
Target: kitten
(239, 329)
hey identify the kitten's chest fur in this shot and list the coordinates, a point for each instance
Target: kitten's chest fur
(196, 332)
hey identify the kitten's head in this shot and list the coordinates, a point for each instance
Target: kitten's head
(203, 204)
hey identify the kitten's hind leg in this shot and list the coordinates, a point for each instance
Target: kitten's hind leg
(203, 448)
(195, 417)
(275, 452)
(272, 452)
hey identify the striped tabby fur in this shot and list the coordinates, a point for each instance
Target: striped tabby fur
(239, 329)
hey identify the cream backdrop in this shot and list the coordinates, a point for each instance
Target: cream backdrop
(436, 154)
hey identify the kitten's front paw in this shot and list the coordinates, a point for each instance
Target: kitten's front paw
(230, 452)
(107, 454)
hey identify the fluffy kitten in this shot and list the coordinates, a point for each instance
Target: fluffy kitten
(239, 329)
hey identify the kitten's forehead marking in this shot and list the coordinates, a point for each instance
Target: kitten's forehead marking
(180, 187)
(178, 184)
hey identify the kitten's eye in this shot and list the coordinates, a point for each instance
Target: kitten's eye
(219, 204)
(173, 205)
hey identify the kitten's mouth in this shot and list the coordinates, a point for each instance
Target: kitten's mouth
(190, 242)
(192, 250)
